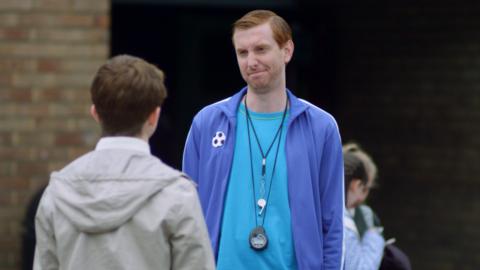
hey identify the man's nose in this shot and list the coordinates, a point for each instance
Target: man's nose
(252, 62)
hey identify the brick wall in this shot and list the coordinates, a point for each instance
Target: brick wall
(49, 52)
(408, 82)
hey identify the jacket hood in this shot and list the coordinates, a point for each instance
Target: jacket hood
(103, 189)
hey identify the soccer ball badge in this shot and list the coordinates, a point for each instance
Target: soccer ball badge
(219, 139)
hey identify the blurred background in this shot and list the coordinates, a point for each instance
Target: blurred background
(402, 78)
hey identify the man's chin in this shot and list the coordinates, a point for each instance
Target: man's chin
(257, 84)
(258, 88)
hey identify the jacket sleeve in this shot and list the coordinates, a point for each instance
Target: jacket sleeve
(365, 254)
(45, 250)
(191, 153)
(332, 199)
(189, 240)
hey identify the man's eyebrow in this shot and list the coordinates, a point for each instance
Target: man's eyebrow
(263, 44)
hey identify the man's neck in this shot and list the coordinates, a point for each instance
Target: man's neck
(269, 101)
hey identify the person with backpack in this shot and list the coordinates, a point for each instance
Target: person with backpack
(366, 248)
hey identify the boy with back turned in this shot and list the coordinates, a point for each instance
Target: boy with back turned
(119, 207)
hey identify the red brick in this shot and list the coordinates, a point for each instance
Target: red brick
(9, 19)
(39, 20)
(6, 79)
(6, 198)
(23, 110)
(91, 5)
(48, 65)
(81, 65)
(5, 139)
(32, 168)
(51, 79)
(52, 5)
(78, 95)
(15, 183)
(15, 5)
(69, 139)
(17, 65)
(17, 95)
(17, 153)
(71, 20)
(102, 21)
(22, 50)
(14, 34)
(77, 110)
(56, 124)
(34, 138)
(49, 95)
(77, 36)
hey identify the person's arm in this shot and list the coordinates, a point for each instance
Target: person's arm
(45, 250)
(364, 254)
(332, 199)
(189, 240)
(191, 153)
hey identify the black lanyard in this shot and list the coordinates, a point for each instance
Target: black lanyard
(278, 135)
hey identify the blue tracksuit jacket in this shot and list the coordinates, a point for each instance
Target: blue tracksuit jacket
(315, 175)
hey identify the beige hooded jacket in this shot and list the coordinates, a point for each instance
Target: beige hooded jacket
(118, 209)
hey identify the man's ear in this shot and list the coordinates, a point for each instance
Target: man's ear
(288, 49)
(94, 114)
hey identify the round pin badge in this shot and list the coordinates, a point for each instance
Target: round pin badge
(219, 139)
(258, 238)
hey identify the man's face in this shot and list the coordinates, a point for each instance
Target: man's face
(260, 59)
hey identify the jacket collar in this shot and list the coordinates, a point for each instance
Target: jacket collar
(121, 142)
(230, 106)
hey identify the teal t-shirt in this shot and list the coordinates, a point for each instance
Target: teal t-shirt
(239, 210)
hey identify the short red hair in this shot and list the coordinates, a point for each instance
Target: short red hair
(280, 28)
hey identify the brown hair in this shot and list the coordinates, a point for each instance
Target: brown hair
(280, 28)
(370, 167)
(354, 169)
(125, 91)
